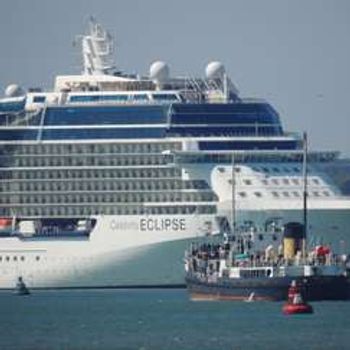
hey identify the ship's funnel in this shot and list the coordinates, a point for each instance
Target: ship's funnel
(293, 239)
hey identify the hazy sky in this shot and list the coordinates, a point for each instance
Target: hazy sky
(295, 54)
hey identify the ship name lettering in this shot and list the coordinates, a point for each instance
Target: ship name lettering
(162, 224)
(123, 225)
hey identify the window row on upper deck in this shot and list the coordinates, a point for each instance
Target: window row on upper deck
(100, 198)
(113, 98)
(88, 148)
(100, 174)
(131, 98)
(79, 160)
(106, 209)
(106, 185)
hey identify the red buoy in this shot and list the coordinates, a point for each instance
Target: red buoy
(290, 309)
(295, 303)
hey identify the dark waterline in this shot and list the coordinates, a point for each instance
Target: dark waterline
(163, 319)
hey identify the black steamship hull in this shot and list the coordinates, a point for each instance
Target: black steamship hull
(314, 288)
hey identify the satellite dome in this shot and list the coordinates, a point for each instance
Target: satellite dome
(159, 71)
(14, 90)
(215, 70)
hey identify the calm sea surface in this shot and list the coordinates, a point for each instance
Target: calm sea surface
(163, 319)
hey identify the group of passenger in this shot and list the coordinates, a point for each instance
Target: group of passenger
(206, 258)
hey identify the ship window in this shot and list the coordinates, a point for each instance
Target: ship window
(286, 194)
(242, 194)
(247, 182)
(258, 194)
(316, 181)
(39, 99)
(7, 258)
(275, 181)
(83, 98)
(316, 194)
(142, 97)
(165, 97)
(296, 169)
(286, 181)
(276, 170)
(295, 181)
(15, 258)
(326, 193)
(296, 194)
(265, 182)
(275, 194)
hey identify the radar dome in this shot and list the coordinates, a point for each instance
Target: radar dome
(14, 90)
(215, 70)
(159, 71)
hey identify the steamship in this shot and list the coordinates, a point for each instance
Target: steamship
(239, 269)
(109, 173)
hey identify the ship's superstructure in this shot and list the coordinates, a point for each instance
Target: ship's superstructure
(108, 171)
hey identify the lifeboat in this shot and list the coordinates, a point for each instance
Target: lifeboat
(295, 303)
(5, 223)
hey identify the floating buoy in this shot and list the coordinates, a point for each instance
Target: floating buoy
(21, 288)
(295, 303)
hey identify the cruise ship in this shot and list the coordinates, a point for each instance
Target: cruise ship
(109, 173)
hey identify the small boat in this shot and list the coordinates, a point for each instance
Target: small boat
(21, 288)
(296, 303)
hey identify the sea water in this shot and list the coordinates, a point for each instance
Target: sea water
(163, 319)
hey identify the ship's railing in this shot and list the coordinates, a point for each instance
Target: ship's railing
(256, 156)
(207, 265)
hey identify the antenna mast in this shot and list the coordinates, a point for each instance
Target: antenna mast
(305, 194)
(233, 219)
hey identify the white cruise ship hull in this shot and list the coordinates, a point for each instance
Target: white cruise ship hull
(123, 251)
